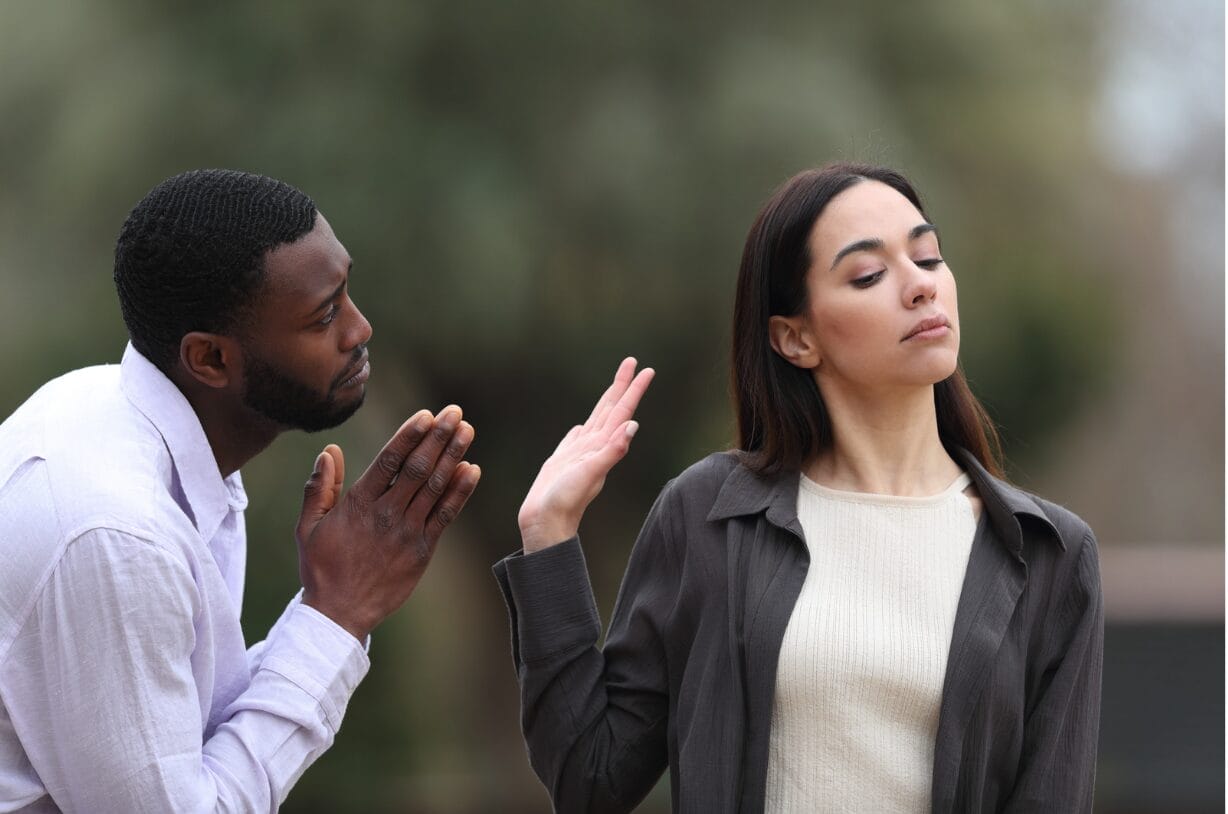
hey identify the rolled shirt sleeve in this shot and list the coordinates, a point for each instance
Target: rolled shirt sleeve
(109, 687)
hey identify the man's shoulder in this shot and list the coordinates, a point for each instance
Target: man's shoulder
(61, 406)
(77, 454)
(74, 383)
(67, 474)
(45, 504)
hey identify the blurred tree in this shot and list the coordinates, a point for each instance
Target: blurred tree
(560, 184)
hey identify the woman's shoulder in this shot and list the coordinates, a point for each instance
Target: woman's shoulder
(1057, 544)
(683, 515)
(704, 481)
(1072, 529)
(1038, 517)
(723, 485)
(694, 490)
(708, 474)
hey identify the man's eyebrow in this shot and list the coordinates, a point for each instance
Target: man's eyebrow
(336, 292)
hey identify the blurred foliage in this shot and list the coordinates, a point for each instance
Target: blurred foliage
(530, 192)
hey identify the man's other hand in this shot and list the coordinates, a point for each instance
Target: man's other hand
(361, 554)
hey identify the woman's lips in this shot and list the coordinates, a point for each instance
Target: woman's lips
(929, 333)
(931, 328)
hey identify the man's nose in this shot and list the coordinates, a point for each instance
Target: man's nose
(359, 330)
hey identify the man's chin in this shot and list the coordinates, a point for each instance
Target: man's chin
(291, 405)
(300, 415)
(339, 416)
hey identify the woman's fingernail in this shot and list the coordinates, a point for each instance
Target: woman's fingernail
(631, 428)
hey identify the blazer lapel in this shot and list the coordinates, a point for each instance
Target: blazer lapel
(993, 583)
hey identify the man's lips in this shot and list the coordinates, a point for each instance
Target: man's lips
(357, 374)
(928, 329)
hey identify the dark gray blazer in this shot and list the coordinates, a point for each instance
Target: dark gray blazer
(688, 671)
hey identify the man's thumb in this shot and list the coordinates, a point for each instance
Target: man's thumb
(320, 493)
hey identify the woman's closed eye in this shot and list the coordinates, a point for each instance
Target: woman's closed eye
(868, 280)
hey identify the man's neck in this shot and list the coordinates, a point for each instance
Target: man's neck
(236, 433)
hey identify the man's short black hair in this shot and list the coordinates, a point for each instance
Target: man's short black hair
(190, 256)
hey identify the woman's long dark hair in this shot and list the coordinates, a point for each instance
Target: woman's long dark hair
(782, 421)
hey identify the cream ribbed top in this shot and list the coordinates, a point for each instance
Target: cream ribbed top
(859, 681)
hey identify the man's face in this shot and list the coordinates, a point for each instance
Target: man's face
(305, 349)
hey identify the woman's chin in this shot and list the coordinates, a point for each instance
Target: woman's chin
(935, 371)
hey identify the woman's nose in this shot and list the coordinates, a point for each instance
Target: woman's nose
(922, 285)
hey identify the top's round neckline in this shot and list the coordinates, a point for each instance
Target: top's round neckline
(874, 498)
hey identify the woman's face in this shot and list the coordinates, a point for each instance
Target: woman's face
(881, 311)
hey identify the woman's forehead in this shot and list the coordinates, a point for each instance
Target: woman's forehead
(867, 210)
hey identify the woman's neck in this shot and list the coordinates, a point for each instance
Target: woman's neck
(885, 444)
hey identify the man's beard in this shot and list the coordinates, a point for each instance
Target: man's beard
(288, 402)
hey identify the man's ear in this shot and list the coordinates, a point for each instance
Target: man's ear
(211, 359)
(792, 339)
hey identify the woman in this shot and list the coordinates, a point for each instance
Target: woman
(852, 612)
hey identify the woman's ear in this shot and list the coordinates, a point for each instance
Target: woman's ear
(791, 338)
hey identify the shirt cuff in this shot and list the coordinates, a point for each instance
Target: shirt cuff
(319, 656)
(550, 600)
(297, 601)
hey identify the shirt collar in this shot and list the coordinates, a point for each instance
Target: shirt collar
(745, 492)
(748, 492)
(210, 497)
(1007, 505)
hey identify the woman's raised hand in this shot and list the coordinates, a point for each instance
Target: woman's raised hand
(572, 476)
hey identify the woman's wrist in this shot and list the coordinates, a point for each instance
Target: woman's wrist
(538, 533)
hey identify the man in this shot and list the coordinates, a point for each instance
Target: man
(125, 684)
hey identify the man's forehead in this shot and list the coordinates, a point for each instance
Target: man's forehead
(311, 266)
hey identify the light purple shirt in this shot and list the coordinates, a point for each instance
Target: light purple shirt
(125, 684)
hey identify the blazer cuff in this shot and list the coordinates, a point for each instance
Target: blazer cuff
(550, 601)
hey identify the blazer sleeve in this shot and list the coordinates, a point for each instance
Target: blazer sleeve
(594, 720)
(1058, 764)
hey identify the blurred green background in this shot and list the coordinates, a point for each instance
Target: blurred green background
(531, 191)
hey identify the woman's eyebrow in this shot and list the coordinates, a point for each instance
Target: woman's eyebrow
(869, 244)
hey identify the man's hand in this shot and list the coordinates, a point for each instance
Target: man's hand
(574, 474)
(361, 554)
